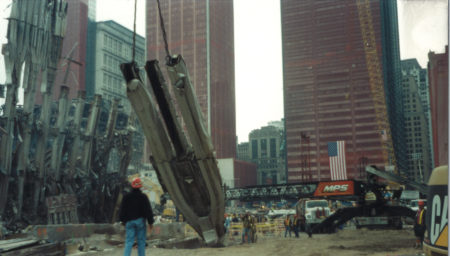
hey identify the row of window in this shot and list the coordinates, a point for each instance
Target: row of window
(121, 49)
(412, 118)
(416, 140)
(113, 84)
(410, 145)
(263, 148)
(111, 63)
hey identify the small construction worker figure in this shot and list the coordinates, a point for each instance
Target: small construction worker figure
(246, 226)
(296, 225)
(287, 226)
(253, 235)
(419, 225)
(226, 223)
(134, 211)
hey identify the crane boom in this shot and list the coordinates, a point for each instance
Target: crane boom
(376, 81)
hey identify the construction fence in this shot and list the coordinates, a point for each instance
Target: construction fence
(269, 228)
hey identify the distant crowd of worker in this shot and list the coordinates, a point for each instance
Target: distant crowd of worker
(248, 226)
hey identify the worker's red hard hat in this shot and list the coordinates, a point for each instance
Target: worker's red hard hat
(421, 203)
(136, 183)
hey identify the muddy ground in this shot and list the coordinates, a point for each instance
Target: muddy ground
(343, 243)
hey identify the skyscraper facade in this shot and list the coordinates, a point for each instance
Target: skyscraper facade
(416, 131)
(438, 79)
(243, 152)
(415, 93)
(90, 47)
(113, 46)
(327, 85)
(265, 150)
(202, 32)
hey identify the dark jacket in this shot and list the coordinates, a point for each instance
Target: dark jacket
(135, 205)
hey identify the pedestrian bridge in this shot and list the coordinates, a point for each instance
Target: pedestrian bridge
(272, 192)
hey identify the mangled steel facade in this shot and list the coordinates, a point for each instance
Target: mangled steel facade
(55, 150)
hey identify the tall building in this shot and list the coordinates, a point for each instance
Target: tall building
(113, 46)
(202, 32)
(243, 151)
(416, 131)
(438, 79)
(91, 47)
(327, 85)
(411, 67)
(265, 150)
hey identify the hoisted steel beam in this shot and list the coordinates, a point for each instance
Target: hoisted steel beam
(189, 173)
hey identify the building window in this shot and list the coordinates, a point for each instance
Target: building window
(263, 148)
(273, 148)
(254, 149)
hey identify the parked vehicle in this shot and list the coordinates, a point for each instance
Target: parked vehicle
(311, 212)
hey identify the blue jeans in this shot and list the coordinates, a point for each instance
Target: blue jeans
(288, 229)
(296, 230)
(246, 231)
(135, 229)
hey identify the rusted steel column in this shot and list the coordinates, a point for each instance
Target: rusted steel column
(75, 151)
(60, 136)
(24, 164)
(90, 133)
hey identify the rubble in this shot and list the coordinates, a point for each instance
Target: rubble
(29, 247)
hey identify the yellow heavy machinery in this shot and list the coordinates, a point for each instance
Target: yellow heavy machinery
(436, 236)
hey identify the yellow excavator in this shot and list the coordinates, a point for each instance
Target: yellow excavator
(435, 242)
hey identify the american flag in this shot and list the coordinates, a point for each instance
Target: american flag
(336, 154)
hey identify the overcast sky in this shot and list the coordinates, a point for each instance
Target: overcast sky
(423, 26)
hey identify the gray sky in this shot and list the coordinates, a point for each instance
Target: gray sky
(423, 26)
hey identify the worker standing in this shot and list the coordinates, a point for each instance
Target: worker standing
(246, 225)
(134, 211)
(287, 226)
(419, 225)
(296, 225)
(226, 223)
(253, 229)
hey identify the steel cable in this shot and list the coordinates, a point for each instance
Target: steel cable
(166, 46)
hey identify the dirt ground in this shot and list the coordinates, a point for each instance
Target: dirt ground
(343, 243)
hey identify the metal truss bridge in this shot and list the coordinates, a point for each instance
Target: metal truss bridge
(272, 192)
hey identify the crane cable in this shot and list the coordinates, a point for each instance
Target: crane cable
(134, 32)
(163, 29)
(166, 46)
